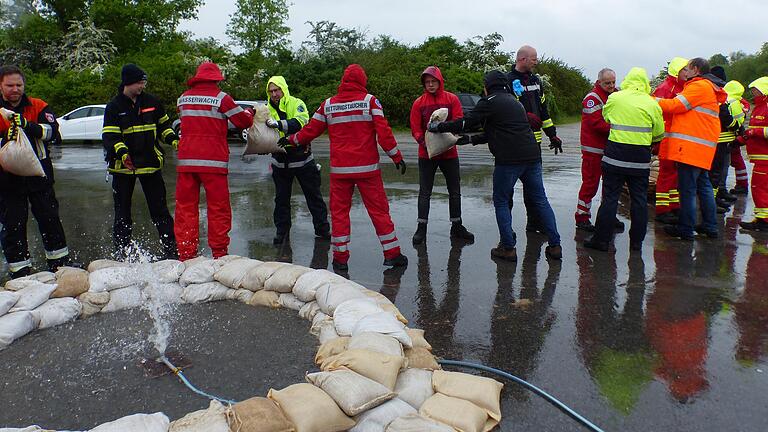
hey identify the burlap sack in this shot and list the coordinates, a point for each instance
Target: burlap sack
(284, 278)
(310, 409)
(18, 157)
(417, 337)
(258, 415)
(265, 298)
(414, 386)
(438, 143)
(417, 423)
(330, 349)
(420, 358)
(382, 368)
(376, 342)
(213, 419)
(352, 392)
(481, 391)
(256, 277)
(458, 413)
(70, 282)
(262, 139)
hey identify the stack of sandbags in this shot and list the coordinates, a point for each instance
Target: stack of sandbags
(233, 273)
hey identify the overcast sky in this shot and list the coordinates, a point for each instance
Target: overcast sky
(588, 34)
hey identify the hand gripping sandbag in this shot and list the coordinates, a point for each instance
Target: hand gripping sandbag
(262, 139)
(18, 157)
(438, 143)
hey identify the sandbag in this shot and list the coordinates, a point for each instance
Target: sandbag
(57, 311)
(168, 271)
(386, 324)
(310, 409)
(18, 157)
(7, 300)
(481, 391)
(23, 282)
(35, 294)
(285, 278)
(92, 302)
(105, 263)
(156, 422)
(377, 419)
(258, 415)
(198, 271)
(226, 259)
(70, 282)
(112, 278)
(317, 323)
(331, 348)
(15, 325)
(307, 284)
(124, 298)
(382, 368)
(329, 296)
(438, 143)
(289, 301)
(414, 386)
(265, 298)
(242, 295)
(376, 342)
(256, 277)
(421, 358)
(207, 292)
(233, 273)
(418, 339)
(33, 428)
(307, 311)
(417, 423)
(261, 138)
(348, 313)
(460, 414)
(352, 392)
(327, 332)
(213, 419)
(164, 293)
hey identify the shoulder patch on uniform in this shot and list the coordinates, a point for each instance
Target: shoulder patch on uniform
(590, 103)
(378, 104)
(50, 118)
(301, 108)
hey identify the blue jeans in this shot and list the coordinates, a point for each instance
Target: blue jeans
(504, 179)
(693, 181)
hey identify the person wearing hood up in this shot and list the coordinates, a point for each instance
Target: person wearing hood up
(517, 157)
(737, 159)
(731, 120)
(288, 115)
(636, 123)
(691, 142)
(203, 159)
(757, 148)
(135, 124)
(356, 124)
(435, 97)
(667, 194)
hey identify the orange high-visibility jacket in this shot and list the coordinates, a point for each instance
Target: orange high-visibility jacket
(695, 125)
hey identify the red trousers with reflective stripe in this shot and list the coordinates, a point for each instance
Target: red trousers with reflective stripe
(737, 162)
(760, 190)
(187, 225)
(375, 200)
(667, 195)
(591, 172)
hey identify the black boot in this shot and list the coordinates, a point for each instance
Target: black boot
(585, 226)
(24, 271)
(280, 238)
(740, 190)
(421, 234)
(755, 225)
(459, 232)
(398, 261)
(723, 193)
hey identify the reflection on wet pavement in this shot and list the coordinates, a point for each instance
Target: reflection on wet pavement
(673, 338)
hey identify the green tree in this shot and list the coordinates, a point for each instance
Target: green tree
(259, 25)
(718, 60)
(327, 39)
(64, 11)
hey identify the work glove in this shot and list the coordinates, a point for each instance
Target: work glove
(534, 121)
(464, 139)
(128, 163)
(175, 145)
(19, 121)
(754, 133)
(401, 166)
(13, 133)
(283, 143)
(273, 124)
(556, 144)
(517, 87)
(434, 126)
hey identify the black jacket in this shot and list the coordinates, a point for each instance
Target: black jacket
(292, 154)
(533, 99)
(504, 122)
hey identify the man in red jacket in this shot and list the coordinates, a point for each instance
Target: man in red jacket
(355, 122)
(203, 158)
(594, 135)
(435, 97)
(757, 149)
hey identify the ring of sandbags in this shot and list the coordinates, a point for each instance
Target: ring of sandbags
(376, 374)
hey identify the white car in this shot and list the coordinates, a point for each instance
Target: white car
(82, 124)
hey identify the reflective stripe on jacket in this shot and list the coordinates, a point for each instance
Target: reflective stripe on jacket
(594, 129)
(293, 115)
(757, 146)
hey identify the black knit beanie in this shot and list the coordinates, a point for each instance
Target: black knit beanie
(132, 74)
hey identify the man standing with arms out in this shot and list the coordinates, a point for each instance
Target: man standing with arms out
(289, 114)
(17, 193)
(355, 122)
(516, 154)
(636, 122)
(435, 97)
(691, 142)
(757, 149)
(667, 195)
(594, 134)
(535, 105)
(135, 123)
(203, 158)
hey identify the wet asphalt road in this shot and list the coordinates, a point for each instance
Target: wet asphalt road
(672, 339)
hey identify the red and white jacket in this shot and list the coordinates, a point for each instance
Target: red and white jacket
(757, 146)
(355, 122)
(594, 128)
(204, 111)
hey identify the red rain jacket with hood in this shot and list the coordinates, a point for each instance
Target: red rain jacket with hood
(594, 128)
(355, 122)
(204, 111)
(425, 105)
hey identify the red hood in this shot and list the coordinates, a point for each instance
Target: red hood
(354, 80)
(434, 71)
(207, 71)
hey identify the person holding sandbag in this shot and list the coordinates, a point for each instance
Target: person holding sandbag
(435, 97)
(34, 118)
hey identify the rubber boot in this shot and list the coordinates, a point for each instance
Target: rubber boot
(458, 231)
(420, 235)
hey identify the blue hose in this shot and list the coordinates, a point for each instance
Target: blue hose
(176, 371)
(546, 396)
